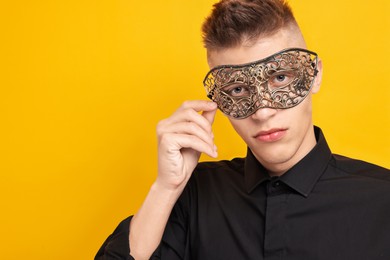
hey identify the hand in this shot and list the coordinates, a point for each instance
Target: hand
(181, 139)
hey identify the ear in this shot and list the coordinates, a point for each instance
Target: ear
(318, 78)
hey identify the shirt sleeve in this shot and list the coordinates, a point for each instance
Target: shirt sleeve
(116, 246)
(174, 244)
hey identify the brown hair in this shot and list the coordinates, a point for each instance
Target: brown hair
(233, 21)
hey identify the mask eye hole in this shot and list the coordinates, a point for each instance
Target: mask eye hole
(237, 90)
(280, 79)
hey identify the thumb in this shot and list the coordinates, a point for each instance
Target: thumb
(210, 114)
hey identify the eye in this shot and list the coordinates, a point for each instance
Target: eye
(237, 90)
(281, 79)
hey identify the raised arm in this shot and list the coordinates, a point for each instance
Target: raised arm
(181, 139)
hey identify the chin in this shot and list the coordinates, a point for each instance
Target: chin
(277, 159)
(274, 158)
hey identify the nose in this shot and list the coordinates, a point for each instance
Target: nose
(263, 114)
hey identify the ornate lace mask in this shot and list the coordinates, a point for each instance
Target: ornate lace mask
(279, 81)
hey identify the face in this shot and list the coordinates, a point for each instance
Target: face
(278, 137)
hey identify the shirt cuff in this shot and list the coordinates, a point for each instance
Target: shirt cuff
(116, 246)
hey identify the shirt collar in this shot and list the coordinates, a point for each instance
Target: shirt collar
(255, 173)
(302, 177)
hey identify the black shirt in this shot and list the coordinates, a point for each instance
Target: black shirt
(325, 207)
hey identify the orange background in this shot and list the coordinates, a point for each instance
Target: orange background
(84, 83)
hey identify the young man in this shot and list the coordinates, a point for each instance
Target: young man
(290, 198)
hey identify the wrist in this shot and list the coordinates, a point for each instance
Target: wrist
(170, 192)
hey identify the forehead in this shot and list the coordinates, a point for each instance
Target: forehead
(257, 49)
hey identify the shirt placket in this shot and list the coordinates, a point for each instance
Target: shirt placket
(274, 242)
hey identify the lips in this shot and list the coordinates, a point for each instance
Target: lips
(271, 135)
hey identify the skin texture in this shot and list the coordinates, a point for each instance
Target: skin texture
(279, 138)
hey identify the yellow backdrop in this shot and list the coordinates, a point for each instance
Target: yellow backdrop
(83, 84)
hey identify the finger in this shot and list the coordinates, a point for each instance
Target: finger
(173, 142)
(199, 105)
(188, 115)
(210, 115)
(189, 128)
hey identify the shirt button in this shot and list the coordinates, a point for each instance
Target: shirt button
(276, 184)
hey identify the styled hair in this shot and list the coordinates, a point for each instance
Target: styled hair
(232, 22)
